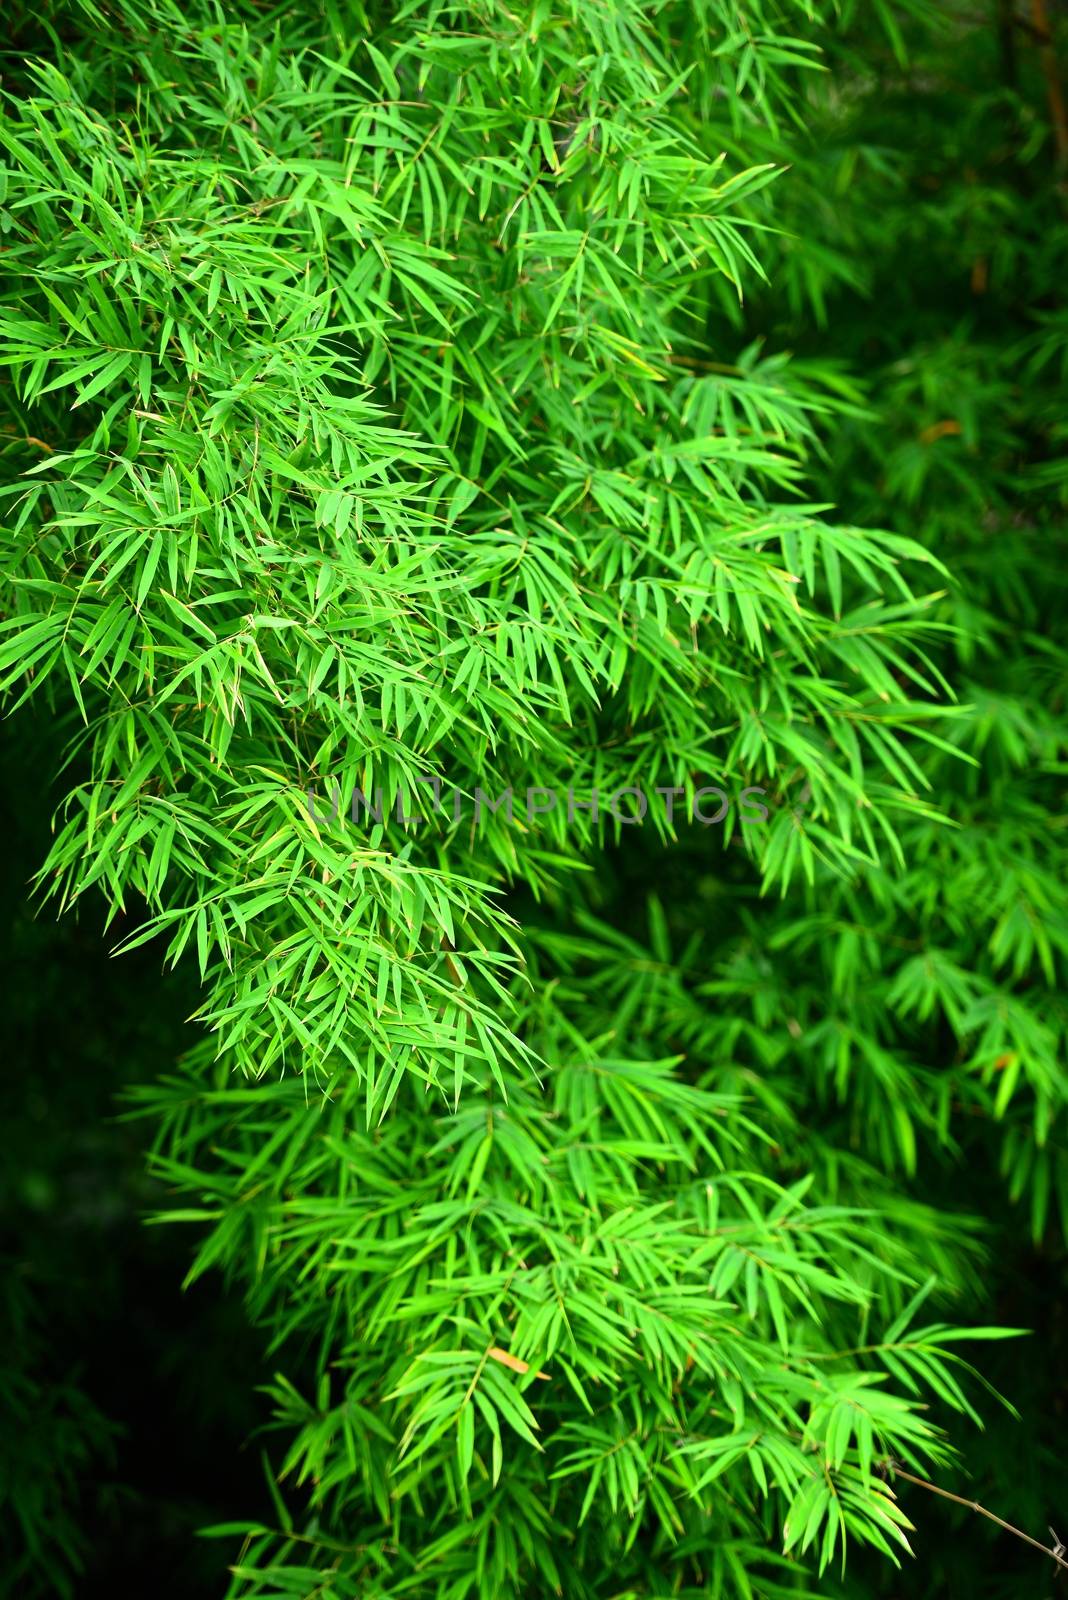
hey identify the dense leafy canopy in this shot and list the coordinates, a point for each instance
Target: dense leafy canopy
(562, 401)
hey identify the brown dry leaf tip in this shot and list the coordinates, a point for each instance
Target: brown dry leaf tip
(514, 1364)
(939, 430)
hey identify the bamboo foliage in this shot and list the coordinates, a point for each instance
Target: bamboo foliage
(387, 410)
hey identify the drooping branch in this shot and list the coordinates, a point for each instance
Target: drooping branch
(1055, 1553)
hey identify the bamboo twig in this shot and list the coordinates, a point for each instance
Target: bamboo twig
(973, 1505)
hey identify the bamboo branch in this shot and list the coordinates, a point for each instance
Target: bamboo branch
(973, 1505)
(1047, 56)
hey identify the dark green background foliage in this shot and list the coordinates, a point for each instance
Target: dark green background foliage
(590, 396)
